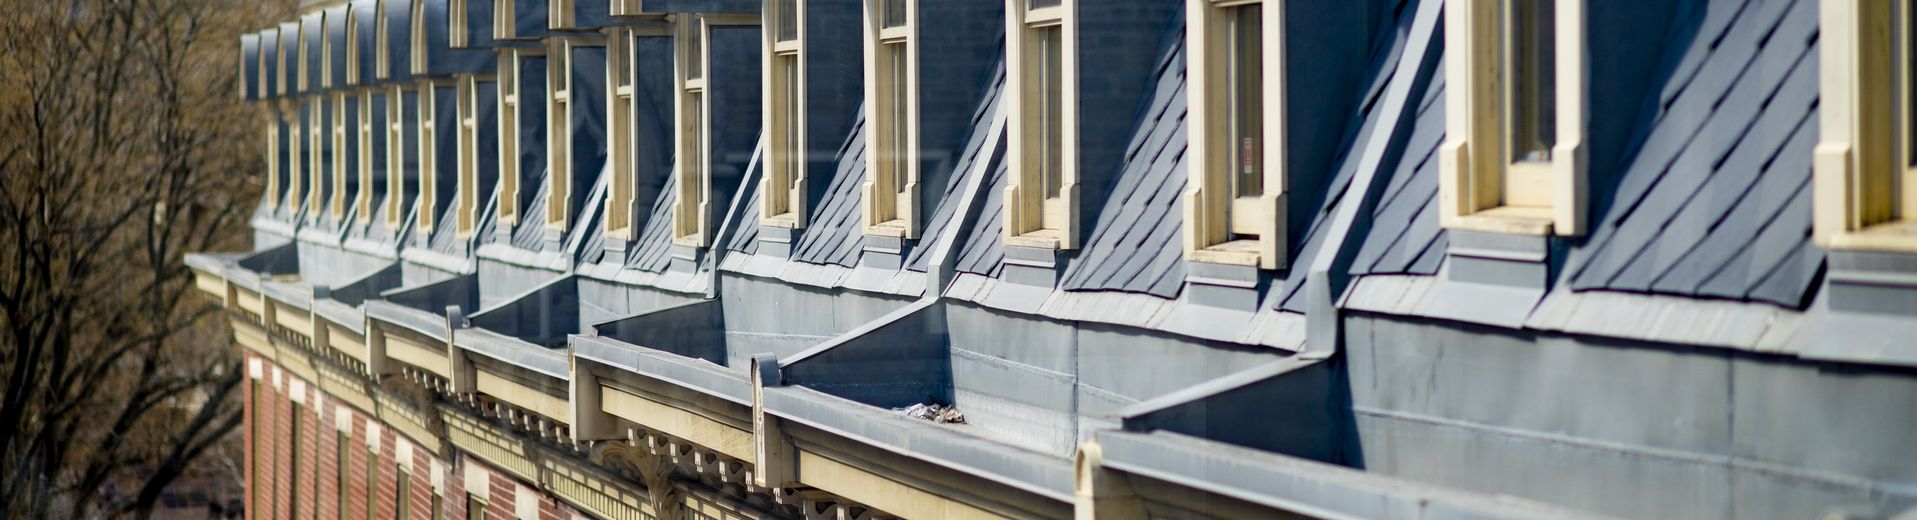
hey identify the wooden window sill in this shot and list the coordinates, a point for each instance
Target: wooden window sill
(1236, 252)
(1041, 239)
(1515, 220)
(1896, 236)
(787, 220)
(890, 228)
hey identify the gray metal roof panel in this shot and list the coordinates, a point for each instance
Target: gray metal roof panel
(1136, 245)
(1728, 147)
(975, 144)
(835, 230)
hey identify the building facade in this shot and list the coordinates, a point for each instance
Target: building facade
(644, 259)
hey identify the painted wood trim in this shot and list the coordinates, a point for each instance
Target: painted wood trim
(865, 487)
(531, 399)
(724, 438)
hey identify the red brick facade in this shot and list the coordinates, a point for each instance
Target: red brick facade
(271, 478)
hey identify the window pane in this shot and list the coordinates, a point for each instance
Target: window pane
(1530, 57)
(695, 51)
(1245, 113)
(1037, 4)
(894, 13)
(475, 510)
(622, 60)
(696, 142)
(788, 20)
(794, 150)
(1909, 63)
(899, 115)
(404, 488)
(1048, 71)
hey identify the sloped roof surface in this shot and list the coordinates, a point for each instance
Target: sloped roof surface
(1405, 237)
(1137, 245)
(1716, 201)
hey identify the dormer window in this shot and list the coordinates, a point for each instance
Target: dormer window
(690, 226)
(509, 136)
(503, 14)
(626, 8)
(559, 14)
(326, 53)
(1515, 166)
(456, 32)
(1043, 188)
(428, 160)
(468, 94)
(367, 134)
(1865, 168)
(352, 48)
(396, 157)
(783, 192)
(559, 128)
(302, 64)
(316, 155)
(1235, 202)
(293, 113)
(892, 170)
(342, 167)
(273, 173)
(417, 43)
(382, 64)
(622, 148)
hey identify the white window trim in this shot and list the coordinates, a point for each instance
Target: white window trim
(456, 31)
(509, 103)
(559, 14)
(272, 120)
(1864, 194)
(338, 203)
(621, 154)
(1030, 219)
(690, 207)
(326, 50)
(1209, 207)
(296, 166)
(467, 105)
(316, 137)
(352, 47)
(503, 15)
(365, 196)
(884, 213)
(559, 132)
(783, 200)
(382, 48)
(1472, 165)
(416, 43)
(301, 64)
(395, 155)
(428, 167)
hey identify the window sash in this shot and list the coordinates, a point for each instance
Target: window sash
(1244, 142)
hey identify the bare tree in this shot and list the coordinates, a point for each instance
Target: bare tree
(122, 147)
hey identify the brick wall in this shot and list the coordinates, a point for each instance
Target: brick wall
(319, 465)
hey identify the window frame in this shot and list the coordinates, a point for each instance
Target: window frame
(382, 48)
(691, 224)
(1032, 218)
(352, 47)
(395, 156)
(402, 491)
(1474, 161)
(296, 166)
(621, 123)
(783, 195)
(559, 15)
(889, 209)
(272, 119)
(1864, 188)
(337, 206)
(457, 34)
(1215, 218)
(315, 150)
(503, 18)
(559, 132)
(293, 459)
(342, 463)
(509, 103)
(326, 51)
(364, 199)
(428, 160)
(416, 40)
(466, 95)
